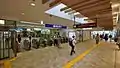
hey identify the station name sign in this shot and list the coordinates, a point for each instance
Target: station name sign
(85, 25)
(55, 26)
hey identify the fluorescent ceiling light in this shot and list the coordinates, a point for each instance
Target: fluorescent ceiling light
(115, 5)
(41, 22)
(5, 32)
(29, 22)
(114, 17)
(2, 22)
(28, 29)
(32, 4)
(23, 13)
(86, 28)
(76, 13)
(37, 28)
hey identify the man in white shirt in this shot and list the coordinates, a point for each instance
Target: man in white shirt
(72, 43)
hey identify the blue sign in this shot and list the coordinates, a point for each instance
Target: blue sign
(55, 26)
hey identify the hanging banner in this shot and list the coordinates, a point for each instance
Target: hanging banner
(85, 25)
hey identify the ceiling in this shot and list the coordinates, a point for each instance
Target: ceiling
(55, 11)
(22, 10)
(101, 11)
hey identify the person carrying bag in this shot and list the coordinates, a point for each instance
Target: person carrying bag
(118, 42)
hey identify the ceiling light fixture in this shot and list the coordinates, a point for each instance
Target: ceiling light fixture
(115, 5)
(42, 22)
(23, 13)
(33, 3)
(76, 13)
(114, 17)
(2, 21)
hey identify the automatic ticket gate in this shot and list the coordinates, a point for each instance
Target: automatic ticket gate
(5, 44)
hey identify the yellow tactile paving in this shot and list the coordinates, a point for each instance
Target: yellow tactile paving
(79, 58)
(13, 59)
(7, 63)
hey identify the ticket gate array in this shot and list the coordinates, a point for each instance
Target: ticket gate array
(5, 45)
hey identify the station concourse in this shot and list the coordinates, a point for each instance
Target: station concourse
(102, 56)
(60, 34)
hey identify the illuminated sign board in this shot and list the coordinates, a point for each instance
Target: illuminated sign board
(85, 25)
(55, 26)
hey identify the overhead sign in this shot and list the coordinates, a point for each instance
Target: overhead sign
(85, 25)
(55, 26)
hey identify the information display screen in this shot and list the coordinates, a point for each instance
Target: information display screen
(55, 26)
(85, 25)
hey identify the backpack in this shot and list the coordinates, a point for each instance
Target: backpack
(116, 39)
(70, 42)
(110, 36)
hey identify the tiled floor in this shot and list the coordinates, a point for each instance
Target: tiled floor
(117, 57)
(52, 57)
(101, 57)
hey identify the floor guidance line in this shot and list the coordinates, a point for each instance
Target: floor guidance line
(80, 57)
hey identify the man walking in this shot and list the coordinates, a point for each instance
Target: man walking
(110, 36)
(97, 38)
(72, 43)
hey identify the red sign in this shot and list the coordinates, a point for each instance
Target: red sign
(85, 25)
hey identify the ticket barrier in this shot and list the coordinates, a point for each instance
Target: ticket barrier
(5, 45)
(35, 43)
(44, 42)
(26, 44)
(50, 42)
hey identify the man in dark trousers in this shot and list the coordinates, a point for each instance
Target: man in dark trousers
(110, 36)
(30, 42)
(72, 43)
